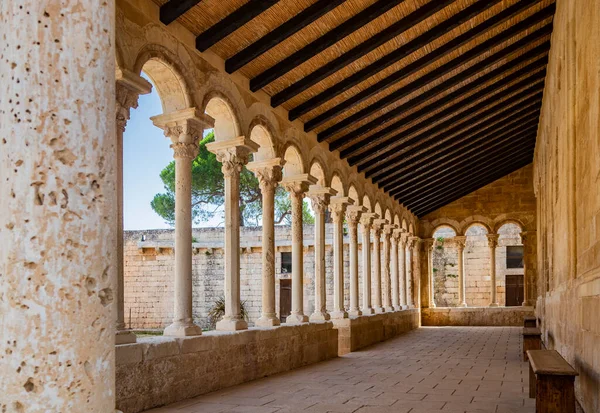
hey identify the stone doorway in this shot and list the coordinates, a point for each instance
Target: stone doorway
(285, 299)
(514, 290)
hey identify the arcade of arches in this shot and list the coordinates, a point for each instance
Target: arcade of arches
(481, 208)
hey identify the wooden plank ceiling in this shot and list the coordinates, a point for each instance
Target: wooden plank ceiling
(430, 99)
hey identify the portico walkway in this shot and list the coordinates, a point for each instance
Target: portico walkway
(448, 369)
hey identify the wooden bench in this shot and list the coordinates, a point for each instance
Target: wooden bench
(551, 382)
(530, 322)
(532, 340)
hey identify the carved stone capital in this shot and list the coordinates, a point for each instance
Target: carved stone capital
(403, 242)
(268, 173)
(185, 126)
(428, 244)
(128, 88)
(298, 184)
(528, 236)
(388, 230)
(320, 197)
(353, 214)
(233, 153)
(460, 241)
(367, 219)
(413, 242)
(492, 240)
(184, 150)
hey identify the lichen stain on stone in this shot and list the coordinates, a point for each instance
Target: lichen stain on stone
(29, 386)
(65, 156)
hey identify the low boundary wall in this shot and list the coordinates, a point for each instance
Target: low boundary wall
(475, 316)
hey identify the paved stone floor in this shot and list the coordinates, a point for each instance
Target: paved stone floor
(445, 369)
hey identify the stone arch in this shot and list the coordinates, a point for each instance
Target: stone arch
(404, 225)
(317, 170)
(443, 222)
(219, 107)
(166, 76)
(378, 209)
(294, 163)
(337, 184)
(502, 220)
(388, 215)
(261, 132)
(442, 227)
(397, 220)
(476, 219)
(353, 194)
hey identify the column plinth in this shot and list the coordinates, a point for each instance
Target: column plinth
(297, 186)
(366, 221)
(269, 175)
(320, 197)
(492, 244)
(337, 207)
(377, 291)
(462, 288)
(353, 214)
(184, 128)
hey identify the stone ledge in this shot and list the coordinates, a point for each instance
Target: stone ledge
(475, 316)
(160, 370)
(355, 333)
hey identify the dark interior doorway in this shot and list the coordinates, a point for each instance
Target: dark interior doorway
(285, 299)
(514, 290)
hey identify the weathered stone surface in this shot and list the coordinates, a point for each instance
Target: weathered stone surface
(161, 370)
(475, 316)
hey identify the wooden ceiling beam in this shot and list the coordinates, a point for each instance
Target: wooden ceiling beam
(173, 9)
(528, 96)
(231, 23)
(440, 154)
(459, 93)
(317, 46)
(423, 209)
(421, 63)
(507, 120)
(356, 53)
(279, 34)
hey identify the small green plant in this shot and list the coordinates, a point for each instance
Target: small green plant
(435, 270)
(452, 275)
(217, 311)
(194, 240)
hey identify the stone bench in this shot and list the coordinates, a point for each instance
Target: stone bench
(532, 340)
(551, 382)
(529, 322)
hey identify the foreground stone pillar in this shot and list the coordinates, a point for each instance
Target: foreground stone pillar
(353, 214)
(320, 197)
(462, 285)
(416, 271)
(337, 207)
(367, 221)
(184, 128)
(233, 155)
(387, 276)
(493, 243)
(529, 239)
(377, 291)
(129, 87)
(410, 242)
(395, 271)
(429, 245)
(402, 269)
(268, 174)
(58, 207)
(297, 186)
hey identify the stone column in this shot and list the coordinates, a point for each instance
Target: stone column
(233, 155)
(409, 271)
(395, 271)
(377, 227)
(429, 245)
(387, 276)
(402, 269)
(353, 214)
(337, 207)
(184, 128)
(129, 87)
(416, 271)
(319, 197)
(269, 174)
(367, 220)
(529, 239)
(462, 285)
(297, 186)
(493, 243)
(58, 203)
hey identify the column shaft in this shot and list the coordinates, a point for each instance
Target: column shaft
(268, 316)
(297, 313)
(492, 243)
(430, 274)
(337, 213)
(402, 271)
(353, 216)
(387, 276)
(409, 274)
(462, 290)
(366, 251)
(319, 203)
(395, 274)
(377, 270)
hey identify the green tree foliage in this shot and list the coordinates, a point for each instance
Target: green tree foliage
(208, 194)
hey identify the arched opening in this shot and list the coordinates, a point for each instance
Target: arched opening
(353, 195)
(477, 266)
(337, 185)
(367, 203)
(261, 135)
(294, 165)
(316, 170)
(510, 265)
(445, 267)
(226, 124)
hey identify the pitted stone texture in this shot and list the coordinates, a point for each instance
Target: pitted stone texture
(161, 370)
(429, 370)
(58, 203)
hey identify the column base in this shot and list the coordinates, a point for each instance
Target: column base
(338, 315)
(494, 305)
(354, 313)
(125, 337)
(368, 311)
(389, 309)
(397, 307)
(463, 305)
(294, 319)
(404, 307)
(179, 329)
(232, 324)
(319, 316)
(267, 321)
(379, 310)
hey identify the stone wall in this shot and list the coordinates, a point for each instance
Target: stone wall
(161, 370)
(490, 316)
(567, 172)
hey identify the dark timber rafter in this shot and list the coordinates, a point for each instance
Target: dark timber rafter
(231, 23)
(436, 91)
(531, 95)
(406, 71)
(448, 67)
(293, 25)
(460, 116)
(322, 43)
(173, 9)
(356, 53)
